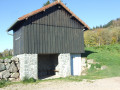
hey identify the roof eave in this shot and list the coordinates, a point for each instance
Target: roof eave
(11, 27)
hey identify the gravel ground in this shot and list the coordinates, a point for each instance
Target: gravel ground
(101, 84)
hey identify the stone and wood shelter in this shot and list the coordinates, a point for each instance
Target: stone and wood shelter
(49, 41)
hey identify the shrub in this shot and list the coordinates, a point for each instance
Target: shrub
(98, 65)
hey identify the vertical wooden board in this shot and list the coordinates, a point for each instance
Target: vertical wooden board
(28, 32)
(46, 40)
(63, 39)
(35, 30)
(67, 20)
(68, 39)
(62, 18)
(37, 35)
(14, 46)
(40, 34)
(56, 39)
(51, 38)
(20, 40)
(32, 36)
(49, 34)
(59, 40)
(25, 38)
(41, 38)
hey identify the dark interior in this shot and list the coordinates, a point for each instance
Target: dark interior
(46, 65)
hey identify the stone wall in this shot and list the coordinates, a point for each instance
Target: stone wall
(28, 66)
(63, 65)
(9, 68)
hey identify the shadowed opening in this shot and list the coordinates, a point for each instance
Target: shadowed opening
(46, 65)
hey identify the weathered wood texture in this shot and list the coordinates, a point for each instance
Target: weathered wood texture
(51, 31)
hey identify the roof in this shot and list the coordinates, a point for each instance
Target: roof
(43, 9)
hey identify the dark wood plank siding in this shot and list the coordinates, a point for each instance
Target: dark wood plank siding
(52, 31)
(18, 39)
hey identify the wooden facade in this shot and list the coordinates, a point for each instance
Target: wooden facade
(51, 31)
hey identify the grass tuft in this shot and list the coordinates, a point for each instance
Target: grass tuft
(4, 83)
(28, 80)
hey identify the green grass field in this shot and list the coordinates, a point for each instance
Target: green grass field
(108, 55)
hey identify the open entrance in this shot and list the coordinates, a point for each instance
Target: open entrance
(46, 65)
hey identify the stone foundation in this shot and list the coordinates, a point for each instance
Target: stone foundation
(35, 66)
(28, 66)
(63, 66)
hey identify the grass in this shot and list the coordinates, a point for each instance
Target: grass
(108, 55)
(28, 80)
(4, 83)
(9, 57)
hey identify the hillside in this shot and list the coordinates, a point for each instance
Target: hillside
(113, 23)
(110, 34)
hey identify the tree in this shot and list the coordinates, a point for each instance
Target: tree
(1, 55)
(54, 0)
(47, 3)
(101, 26)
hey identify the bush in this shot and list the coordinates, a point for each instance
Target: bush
(98, 65)
(29, 80)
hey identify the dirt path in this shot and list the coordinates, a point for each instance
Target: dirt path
(101, 84)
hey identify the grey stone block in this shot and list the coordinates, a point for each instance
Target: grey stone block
(16, 59)
(13, 68)
(2, 66)
(7, 66)
(7, 60)
(90, 61)
(15, 75)
(12, 79)
(1, 60)
(104, 67)
(5, 74)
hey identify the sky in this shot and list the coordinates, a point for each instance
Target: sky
(92, 12)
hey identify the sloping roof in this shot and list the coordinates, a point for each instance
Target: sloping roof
(43, 9)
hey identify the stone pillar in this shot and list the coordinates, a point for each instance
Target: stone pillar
(28, 66)
(64, 66)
